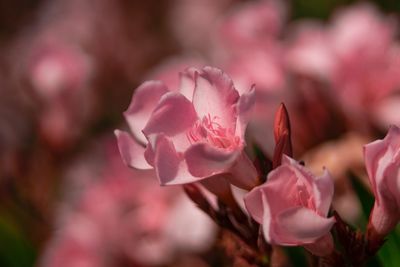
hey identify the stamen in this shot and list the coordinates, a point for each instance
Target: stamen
(209, 130)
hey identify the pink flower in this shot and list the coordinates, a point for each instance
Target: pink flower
(292, 207)
(367, 67)
(382, 160)
(190, 134)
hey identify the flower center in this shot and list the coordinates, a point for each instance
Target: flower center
(209, 130)
(303, 197)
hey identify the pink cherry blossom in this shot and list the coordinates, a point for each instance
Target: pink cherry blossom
(292, 207)
(190, 134)
(382, 160)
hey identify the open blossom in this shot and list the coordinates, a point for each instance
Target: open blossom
(190, 134)
(292, 207)
(382, 160)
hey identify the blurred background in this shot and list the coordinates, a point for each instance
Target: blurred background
(68, 69)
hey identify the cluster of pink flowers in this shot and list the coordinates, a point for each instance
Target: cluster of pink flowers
(218, 138)
(197, 135)
(124, 216)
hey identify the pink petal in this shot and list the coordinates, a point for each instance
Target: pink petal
(384, 217)
(393, 139)
(379, 155)
(299, 225)
(372, 151)
(149, 153)
(170, 167)
(173, 116)
(132, 153)
(215, 96)
(187, 83)
(244, 109)
(142, 104)
(323, 193)
(300, 171)
(254, 203)
(205, 160)
(267, 220)
(282, 179)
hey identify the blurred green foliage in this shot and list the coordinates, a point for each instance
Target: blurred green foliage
(315, 8)
(15, 249)
(322, 9)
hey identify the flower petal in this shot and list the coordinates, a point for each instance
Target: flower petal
(215, 96)
(170, 166)
(254, 203)
(266, 219)
(132, 153)
(299, 225)
(300, 171)
(379, 156)
(205, 160)
(142, 104)
(187, 83)
(323, 193)
(372, 152)
(244, 109)
(173, 116)
(282, 179)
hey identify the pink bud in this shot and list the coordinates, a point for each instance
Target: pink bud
(382, 160)
(282, 134)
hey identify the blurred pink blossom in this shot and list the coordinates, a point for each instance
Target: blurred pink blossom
(248, 45)
(192, 134)
(124, 216)
(60, 75)
(367, 68)
(310, 52)
(253, 24)
(292, 207)
(382, 161)
(191, 20)
(56, 66)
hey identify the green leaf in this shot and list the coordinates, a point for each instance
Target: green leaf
(389, 253)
